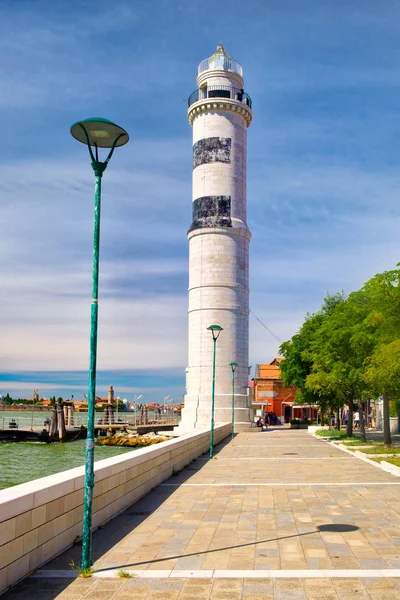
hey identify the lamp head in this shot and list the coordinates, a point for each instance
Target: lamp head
(215, 330)
(233, 366)
(99, 132)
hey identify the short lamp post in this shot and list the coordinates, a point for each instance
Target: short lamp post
(233, 366)
(95, 133)
(215, 330)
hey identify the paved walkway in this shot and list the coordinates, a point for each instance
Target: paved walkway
(275, 515)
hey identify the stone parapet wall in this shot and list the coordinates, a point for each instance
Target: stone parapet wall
(42, 518)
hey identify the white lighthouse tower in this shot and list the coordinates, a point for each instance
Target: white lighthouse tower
(220, 113)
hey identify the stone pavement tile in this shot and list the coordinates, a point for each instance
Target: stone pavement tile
(319, 589)
(258, 587)
(224, 595)
(240, 563)
(345, 562)
(213, 561)
(385, 595)
(348, 589)
(395, 582)
(189, 595)
(131, 594)
(258, 597)
(95, 595)
(373, 584)
(68, 595)
(109, 584)
(227, 585)
(190, 563)
(288, 589)
(159, 565)
(372, 563)
(169, 584)
(163, 595)
(199, 590)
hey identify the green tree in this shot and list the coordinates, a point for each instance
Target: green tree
(338, 351)
(7, 399)
(383, 376)
(383, 365)
(299, 358)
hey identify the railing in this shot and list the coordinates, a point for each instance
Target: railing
(220, 61)
(219, 91)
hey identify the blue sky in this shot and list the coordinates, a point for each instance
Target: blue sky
(323, 176)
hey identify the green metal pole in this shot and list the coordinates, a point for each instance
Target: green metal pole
(233, 403)
(89, 460)
(212, 402)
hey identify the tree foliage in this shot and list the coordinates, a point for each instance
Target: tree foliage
(349, 350)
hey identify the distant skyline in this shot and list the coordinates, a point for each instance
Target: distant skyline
(323, 175)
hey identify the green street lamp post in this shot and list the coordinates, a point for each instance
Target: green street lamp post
(95, 133)
(215, 330)
(233, 366)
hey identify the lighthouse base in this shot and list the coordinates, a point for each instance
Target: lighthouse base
(196, 413)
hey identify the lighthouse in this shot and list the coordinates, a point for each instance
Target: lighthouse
(219, 111)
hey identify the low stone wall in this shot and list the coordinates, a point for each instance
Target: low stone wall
(42, 518)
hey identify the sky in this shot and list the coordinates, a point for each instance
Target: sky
(323, 176)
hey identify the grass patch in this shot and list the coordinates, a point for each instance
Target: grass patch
(333, 433)
(85, 573)
(381, 449)
(356, 442)
(125, 574)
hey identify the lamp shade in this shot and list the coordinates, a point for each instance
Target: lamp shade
(100, 132)
(215, 330)
(233, 365)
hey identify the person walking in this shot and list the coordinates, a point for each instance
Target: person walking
(356, 420)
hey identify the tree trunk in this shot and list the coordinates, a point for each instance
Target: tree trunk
(362, 421)
(349, 428)
(338, 419)
(322, 418)
(387, 437)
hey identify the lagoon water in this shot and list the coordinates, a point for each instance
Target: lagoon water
(24, 461)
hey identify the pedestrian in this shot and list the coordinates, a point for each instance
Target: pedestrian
(356, 420)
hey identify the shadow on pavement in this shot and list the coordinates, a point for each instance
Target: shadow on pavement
(329, 527)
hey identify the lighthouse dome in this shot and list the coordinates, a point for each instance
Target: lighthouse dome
(220, 60)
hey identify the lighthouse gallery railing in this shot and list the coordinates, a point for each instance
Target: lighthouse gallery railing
(219, 91)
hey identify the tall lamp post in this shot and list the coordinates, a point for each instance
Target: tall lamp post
(95, 133)
(215, 330)
(233, 366)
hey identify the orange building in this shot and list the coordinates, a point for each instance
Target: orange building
(271, 395)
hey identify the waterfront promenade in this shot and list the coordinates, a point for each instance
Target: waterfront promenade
(275, 515)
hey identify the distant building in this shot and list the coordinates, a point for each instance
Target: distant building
(269, 394)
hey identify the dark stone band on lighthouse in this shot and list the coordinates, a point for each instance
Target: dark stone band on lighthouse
(212, 149)
(211, 211)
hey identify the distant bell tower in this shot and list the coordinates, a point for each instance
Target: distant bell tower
(220, 113)
(111, 395)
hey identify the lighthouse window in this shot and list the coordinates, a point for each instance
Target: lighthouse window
(213, 149)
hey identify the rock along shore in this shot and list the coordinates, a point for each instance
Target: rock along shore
(134, 440)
